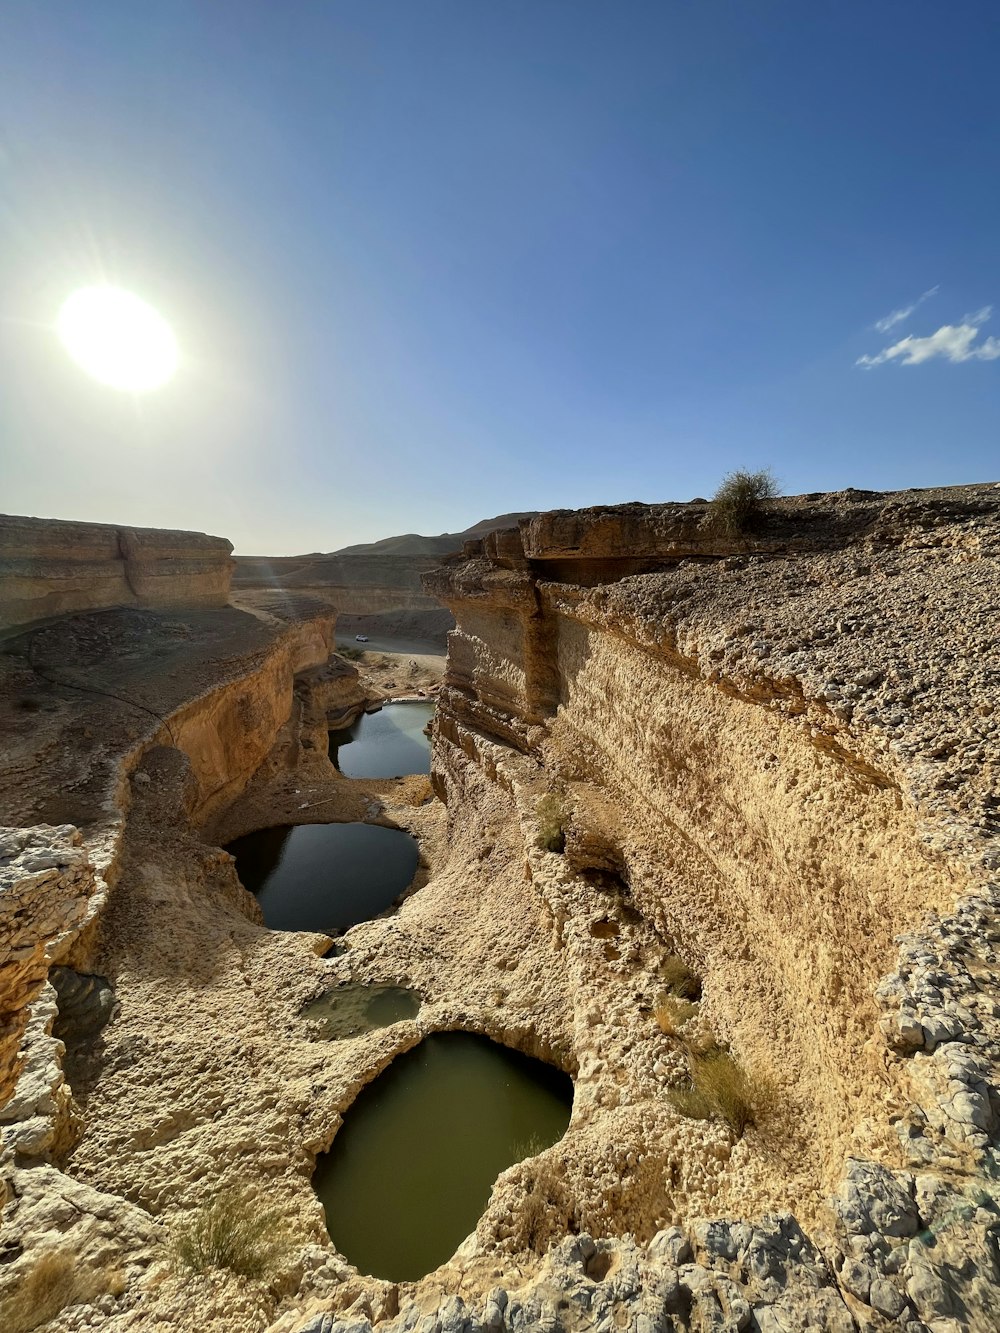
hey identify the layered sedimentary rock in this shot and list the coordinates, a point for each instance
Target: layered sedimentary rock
(772, 757)
(49, 567)
(374, 580)
(354, 584)
(782, 748)
(47, 884)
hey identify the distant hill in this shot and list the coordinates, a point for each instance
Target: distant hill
(411, 543)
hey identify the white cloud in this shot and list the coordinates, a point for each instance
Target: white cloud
(954, 342)
(897, 316)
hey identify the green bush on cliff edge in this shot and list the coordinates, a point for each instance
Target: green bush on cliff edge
(737, 504)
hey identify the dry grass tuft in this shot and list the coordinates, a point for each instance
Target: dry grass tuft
(56, 1282)
(738, 503)
(728, 1090)
(671, 1013)
(689, 1102)
(233, 1233)
(678, 979)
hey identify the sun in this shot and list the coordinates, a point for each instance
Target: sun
(118, 338)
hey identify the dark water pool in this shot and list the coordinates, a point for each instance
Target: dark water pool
(324, 877)
(411, 1168)
(348, 1011)
(386, 744)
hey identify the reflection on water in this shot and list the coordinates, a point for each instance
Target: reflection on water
(324, 877)
(411, 1169)
(387, 744)
(349, 1011)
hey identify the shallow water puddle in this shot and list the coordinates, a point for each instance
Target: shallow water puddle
(411, 1169)
(324, 877)
(387, 744)
(349, 1011)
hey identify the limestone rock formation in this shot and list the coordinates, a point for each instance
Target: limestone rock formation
(765, 764)
(47, 883)
(49, 567)
(375, 580)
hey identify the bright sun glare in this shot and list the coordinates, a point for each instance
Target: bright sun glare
(118, 338)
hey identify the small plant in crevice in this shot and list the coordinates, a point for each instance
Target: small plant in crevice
(722, 1088)
(689, 1102)
(550, 816)
(672, 1012)
(738, 503)
(56, 1282)
(678, 979)
(233, 1232)
(529, 1147)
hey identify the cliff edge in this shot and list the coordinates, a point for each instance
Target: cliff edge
(49, 567)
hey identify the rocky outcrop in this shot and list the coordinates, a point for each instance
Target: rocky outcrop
(47, 893)
(354, 584)
(782, 750)
(374, 581)
(49, 567)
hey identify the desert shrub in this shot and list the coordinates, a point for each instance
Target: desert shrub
(730, 1091)
(678, 979)
(551, 815)
(689, 1102)
(737, 504)
(56, 1282)
(672, 1012)
(351, 653)
(232, 1232)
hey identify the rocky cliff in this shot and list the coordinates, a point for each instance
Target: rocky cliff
(705, 799)
(777, 754)
(373, 579)
(49, 567)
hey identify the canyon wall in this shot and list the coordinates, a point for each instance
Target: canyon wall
(354, 584)
(779, 751)
(82, 700)
(371, 583)
(49, 567)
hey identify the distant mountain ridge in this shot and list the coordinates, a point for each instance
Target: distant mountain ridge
(412, 543)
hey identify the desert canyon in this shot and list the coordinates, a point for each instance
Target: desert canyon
(693, 797)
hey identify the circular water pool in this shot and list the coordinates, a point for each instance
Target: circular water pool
(387, 744)
(411, 1169)
(324, 877)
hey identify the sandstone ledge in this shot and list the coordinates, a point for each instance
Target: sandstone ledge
(49, 567)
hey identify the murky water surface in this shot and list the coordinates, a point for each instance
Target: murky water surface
(411, 1169)
(386, 744)
(324, 876)
(349, 1011)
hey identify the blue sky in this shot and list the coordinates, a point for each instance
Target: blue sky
(431, 260)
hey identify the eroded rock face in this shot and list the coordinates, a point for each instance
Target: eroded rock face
(784, 750)
(47, 887)
(49, 567)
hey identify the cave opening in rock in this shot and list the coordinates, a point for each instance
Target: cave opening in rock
(411, 1169)
(324, 877)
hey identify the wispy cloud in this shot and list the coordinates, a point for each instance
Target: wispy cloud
(953, 342)
(897, 316)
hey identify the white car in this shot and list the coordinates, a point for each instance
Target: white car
(361, 638)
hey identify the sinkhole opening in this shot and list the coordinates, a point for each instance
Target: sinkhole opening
(411, 1169)
(390, 743)
(324, 877)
